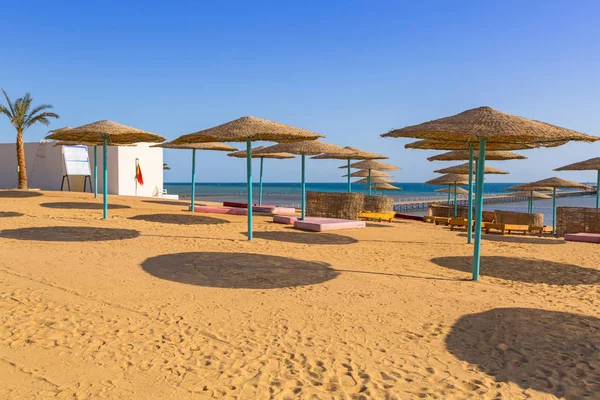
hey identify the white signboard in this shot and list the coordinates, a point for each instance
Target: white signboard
(77, 161)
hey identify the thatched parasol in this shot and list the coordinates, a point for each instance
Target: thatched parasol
(553, 183)
(458, 190)
(378, 179)
(452, 180)
(372, 164)
(531, 194)
(249, 129)
(279, 156)
(385, 186)
(593, 164)
(364, 173)
(196, 146)
(486, 125)
(303, 149)
(106, 132)
(351, 153)
(464, 169)
(459, 155)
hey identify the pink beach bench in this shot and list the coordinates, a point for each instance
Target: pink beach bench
(220, 210)
(285, 219)
(316, 224)
(583, 237)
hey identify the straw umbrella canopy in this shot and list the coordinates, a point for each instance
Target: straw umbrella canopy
(385, 186)
(249, 129)
(375, 179)
(452, 180)
(279, 156)
(363, 173)
(460, 155)
(373, 164)
(312, 147)
(458, 190)
(196, 146)
(352, 153)
(593, 164)
(531, 194)
(553, 183)
(486, 126)
(464, 169)
(106, 132)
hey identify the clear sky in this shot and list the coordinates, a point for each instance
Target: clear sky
(348, 69)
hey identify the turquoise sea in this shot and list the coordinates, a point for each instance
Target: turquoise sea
(288, 194)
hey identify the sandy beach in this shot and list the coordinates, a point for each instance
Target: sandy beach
(158, 303)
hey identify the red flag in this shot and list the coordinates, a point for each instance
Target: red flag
(138, 174)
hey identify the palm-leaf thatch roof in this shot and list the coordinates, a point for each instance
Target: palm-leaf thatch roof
(375, 179)
(448, 145)
(365, 173)
(351, 153)
(527, 186)
(554, 182)
(386, 186)
(493, 125)
(458, 190)
(593, 164)
(99, 143)
(307, 147)
(242, 154)
(464, 169)
(255, 129)
(532, 193)
(461, 155)
(197, 146)
(449, 179)
(373, 164)
(115, 133)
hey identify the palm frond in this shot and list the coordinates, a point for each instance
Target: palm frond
(39, 108)
(40, 118)
(10, 104)
(5, 111)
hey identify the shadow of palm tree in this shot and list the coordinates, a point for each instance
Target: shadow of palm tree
(18, 194)
(68, 234)
(305, 238)
(82, 206)
(8, 214)
(179, 219)
(548, 351)
(524, 270)
(238, 270)
(518, 239)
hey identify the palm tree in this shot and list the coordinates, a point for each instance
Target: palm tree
(22, 117)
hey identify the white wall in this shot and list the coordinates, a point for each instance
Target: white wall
(48, 171)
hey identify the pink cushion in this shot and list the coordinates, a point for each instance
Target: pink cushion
(327, 224)
(583, 237)
(283, 219)
(243, 205)
(221, 210)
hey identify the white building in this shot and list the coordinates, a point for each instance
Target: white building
(45, 168)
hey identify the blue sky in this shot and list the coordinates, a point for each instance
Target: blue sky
(347, 69)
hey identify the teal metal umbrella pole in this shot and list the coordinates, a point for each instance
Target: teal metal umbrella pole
(95, 172)
(303, 186)
(478, 208)
(470, 203)
(598, 190)
(192, 205)
(455, 205)
(369, 182)
(260, 189)
(449, 194)
(554, 210)
(105, 176)
(350, 182)
(249, 184)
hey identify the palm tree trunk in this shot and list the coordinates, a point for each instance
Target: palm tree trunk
(21, 162)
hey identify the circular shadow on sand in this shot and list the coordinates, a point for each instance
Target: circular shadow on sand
(238, 270)
(67, 205)
(520, 239)
(8, 214)
(548, 351)
(168, 203)
(69, 234)
(524, 270)
(18, 194)
(179, 219)
(305, 238)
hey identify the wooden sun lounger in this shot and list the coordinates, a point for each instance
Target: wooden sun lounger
(377, 216)
(459, 222)
(441, 221)
(429, 218)
(506, 228)
(540, 229)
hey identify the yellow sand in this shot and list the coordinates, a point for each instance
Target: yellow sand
(159, 303)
